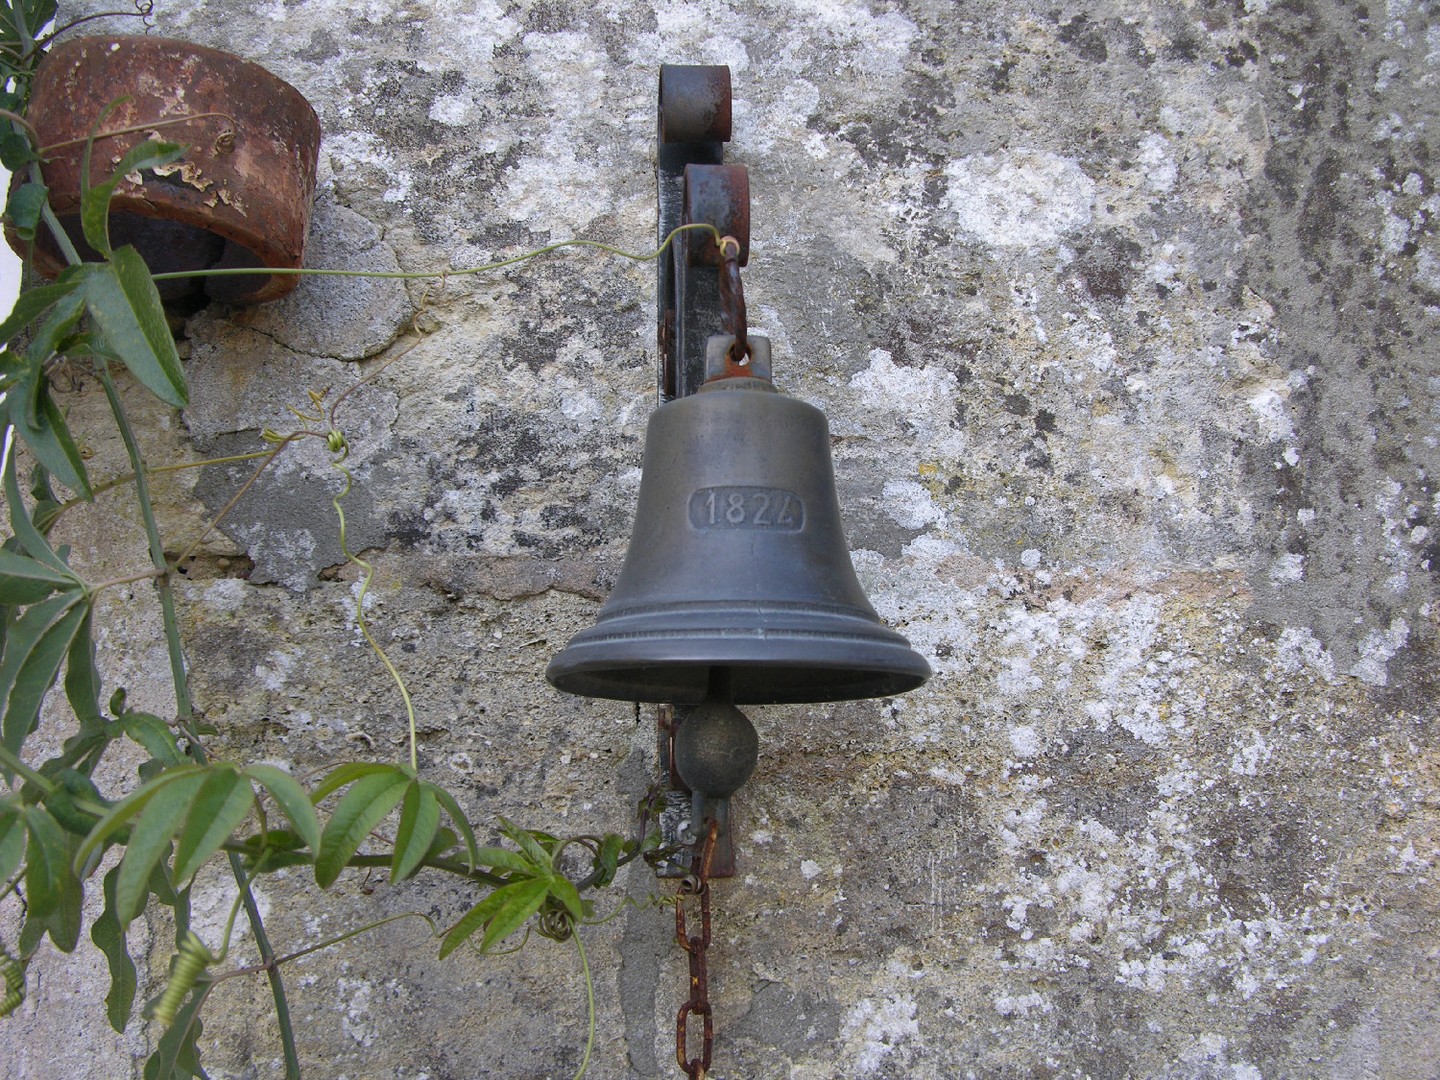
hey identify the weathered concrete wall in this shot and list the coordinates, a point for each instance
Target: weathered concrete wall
(1123, 316)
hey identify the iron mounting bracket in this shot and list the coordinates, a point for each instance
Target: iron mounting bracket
(692, 186)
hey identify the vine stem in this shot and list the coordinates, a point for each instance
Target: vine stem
(185, 709)
(589, 1002)
(418, 275)
(360, 608)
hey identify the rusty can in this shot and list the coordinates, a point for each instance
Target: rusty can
(239, 197)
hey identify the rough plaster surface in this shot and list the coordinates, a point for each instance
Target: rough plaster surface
(1123, 316)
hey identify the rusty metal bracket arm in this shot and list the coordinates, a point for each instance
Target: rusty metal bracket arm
(692, 185)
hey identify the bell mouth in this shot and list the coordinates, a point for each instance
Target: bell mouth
(666, 653)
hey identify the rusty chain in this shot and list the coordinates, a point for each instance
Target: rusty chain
(696, 885)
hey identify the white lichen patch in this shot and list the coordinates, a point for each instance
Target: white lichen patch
(1377, 649)
(875, 1029)
(922, 397)
(910, 505)
(1019, 198)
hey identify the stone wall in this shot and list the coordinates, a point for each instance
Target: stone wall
(1123, 316)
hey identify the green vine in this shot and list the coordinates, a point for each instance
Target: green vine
(187, 807)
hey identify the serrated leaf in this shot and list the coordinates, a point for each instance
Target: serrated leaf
(347, 774)
(109, 936)
(457, 816)
(23, 580)
(12, 842)
(53, 893)
(119, 814)
(364, 805)
(419, 821)
(526, 900)
(24, 207)
(34, 648)
(291, 798)
(21, 526)
(153, 734)
(222, 803)
(95, 200)
(161, 819)
(124, 303)
(31, 303)
(82, 676)
(563, 889)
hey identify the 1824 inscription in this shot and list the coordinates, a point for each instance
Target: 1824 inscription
(762, 508)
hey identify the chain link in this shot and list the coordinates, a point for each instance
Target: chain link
(695, 946)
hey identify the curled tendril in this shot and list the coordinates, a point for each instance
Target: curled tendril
(14, 972)
(555, 925)
(335, 440)
(192, 959)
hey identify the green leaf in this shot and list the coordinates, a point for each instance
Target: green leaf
(457, 816)
(502, 899)
(82, 676)
(12, 841)
(607, 860)
(444, 840)
(347, 774)
(563, 889)
(363, 806)
(24, 530)
(526, 900)
(123, 301)
(119, 814)
(291, 797)
(31, 303)
(153, 734)
(419, 821)
(48, 436)
(34, 649)
(109, 936)
(23, 580)
(274, 850)
(36, 14)
(528, 844)
(505, 859)
(52, 891)
(26, 203)
(222, 803)
(15, 151)
(56, 326)
(95, 201)
(161, 819)
(64, 802)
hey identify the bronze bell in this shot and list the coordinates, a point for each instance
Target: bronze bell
(738, 563)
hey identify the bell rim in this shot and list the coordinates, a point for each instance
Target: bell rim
(633, 669)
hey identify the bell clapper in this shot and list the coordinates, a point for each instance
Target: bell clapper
(716, 748)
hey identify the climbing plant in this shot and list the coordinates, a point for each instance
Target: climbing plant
(140, 845)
